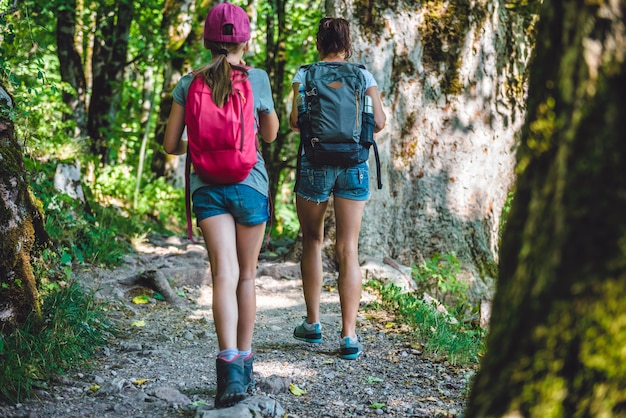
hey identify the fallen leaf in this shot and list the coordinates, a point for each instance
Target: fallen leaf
(377, 405)
(331, 361)
(372, 379)
(141, 299)
(296, 390)
(94, 388)
(390, 325)
(140, 323)
(140, 382)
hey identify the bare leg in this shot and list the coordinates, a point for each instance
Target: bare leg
(249, 241)
(311, 217)
(348, 214)
(219, 236)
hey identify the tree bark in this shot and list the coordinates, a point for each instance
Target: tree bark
(556, 345)
(108, 63)
(451, 78)
(71, 67)
(21, 227)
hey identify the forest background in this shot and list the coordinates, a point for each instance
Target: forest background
(93, 83)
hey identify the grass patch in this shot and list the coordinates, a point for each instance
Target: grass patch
(440, 333)
(73, 327)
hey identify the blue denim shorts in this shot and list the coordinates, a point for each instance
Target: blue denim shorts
(246, 205)
(317, 182)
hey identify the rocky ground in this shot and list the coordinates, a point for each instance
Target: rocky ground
(162, 362)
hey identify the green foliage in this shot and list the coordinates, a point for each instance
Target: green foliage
(287, 224)
(445, 332)
(438, 276)
(74, 327)
(101, 233)
(441, 334)
(157, 200)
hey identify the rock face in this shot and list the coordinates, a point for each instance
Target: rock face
(21, 226)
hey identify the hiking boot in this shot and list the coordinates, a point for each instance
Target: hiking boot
(351, 348)
(302, 334)
(248, 372)
(230, 382)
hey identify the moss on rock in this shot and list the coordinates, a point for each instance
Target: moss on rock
(21, 224)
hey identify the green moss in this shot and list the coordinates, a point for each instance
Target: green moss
(403, 65)
(444, 31)
(369, 14)
(407, 126)
(17, 282)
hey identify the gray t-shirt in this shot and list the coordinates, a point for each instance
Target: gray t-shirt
(263, 102)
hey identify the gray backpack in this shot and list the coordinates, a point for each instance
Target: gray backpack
(334, 130)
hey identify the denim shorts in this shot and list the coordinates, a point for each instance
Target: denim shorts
(317, 182)
(246, 205)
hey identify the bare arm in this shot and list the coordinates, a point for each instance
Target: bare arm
(268, 126)
(379, 114)
(172, 143)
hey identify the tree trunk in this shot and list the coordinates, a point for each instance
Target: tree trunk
(556, 345)
(21, 226)
(71, 67)
(451, 76)
(108, 63)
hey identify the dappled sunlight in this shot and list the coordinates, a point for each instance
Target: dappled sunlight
(205, 296)
(290, 296)
(284, 369)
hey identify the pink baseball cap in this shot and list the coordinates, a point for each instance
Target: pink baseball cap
(227, 23)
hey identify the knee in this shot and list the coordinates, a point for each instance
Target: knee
(314, 239)
(246, 277)
(346, 254)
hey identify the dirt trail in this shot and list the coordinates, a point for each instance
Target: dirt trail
(162, 363)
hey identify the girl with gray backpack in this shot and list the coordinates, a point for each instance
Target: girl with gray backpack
(330, 98)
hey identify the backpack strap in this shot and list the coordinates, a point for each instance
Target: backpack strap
(380, 182)
(188, 196)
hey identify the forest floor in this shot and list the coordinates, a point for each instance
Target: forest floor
(162, 362)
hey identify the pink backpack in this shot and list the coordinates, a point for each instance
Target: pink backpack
(222, 142)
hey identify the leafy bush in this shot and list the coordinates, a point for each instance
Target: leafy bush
(74, 326)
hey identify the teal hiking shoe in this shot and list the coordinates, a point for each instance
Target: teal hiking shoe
(231, 388)
(314, 336)
(351, 348)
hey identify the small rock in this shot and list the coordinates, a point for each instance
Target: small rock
(171, 395)
(273, 385)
